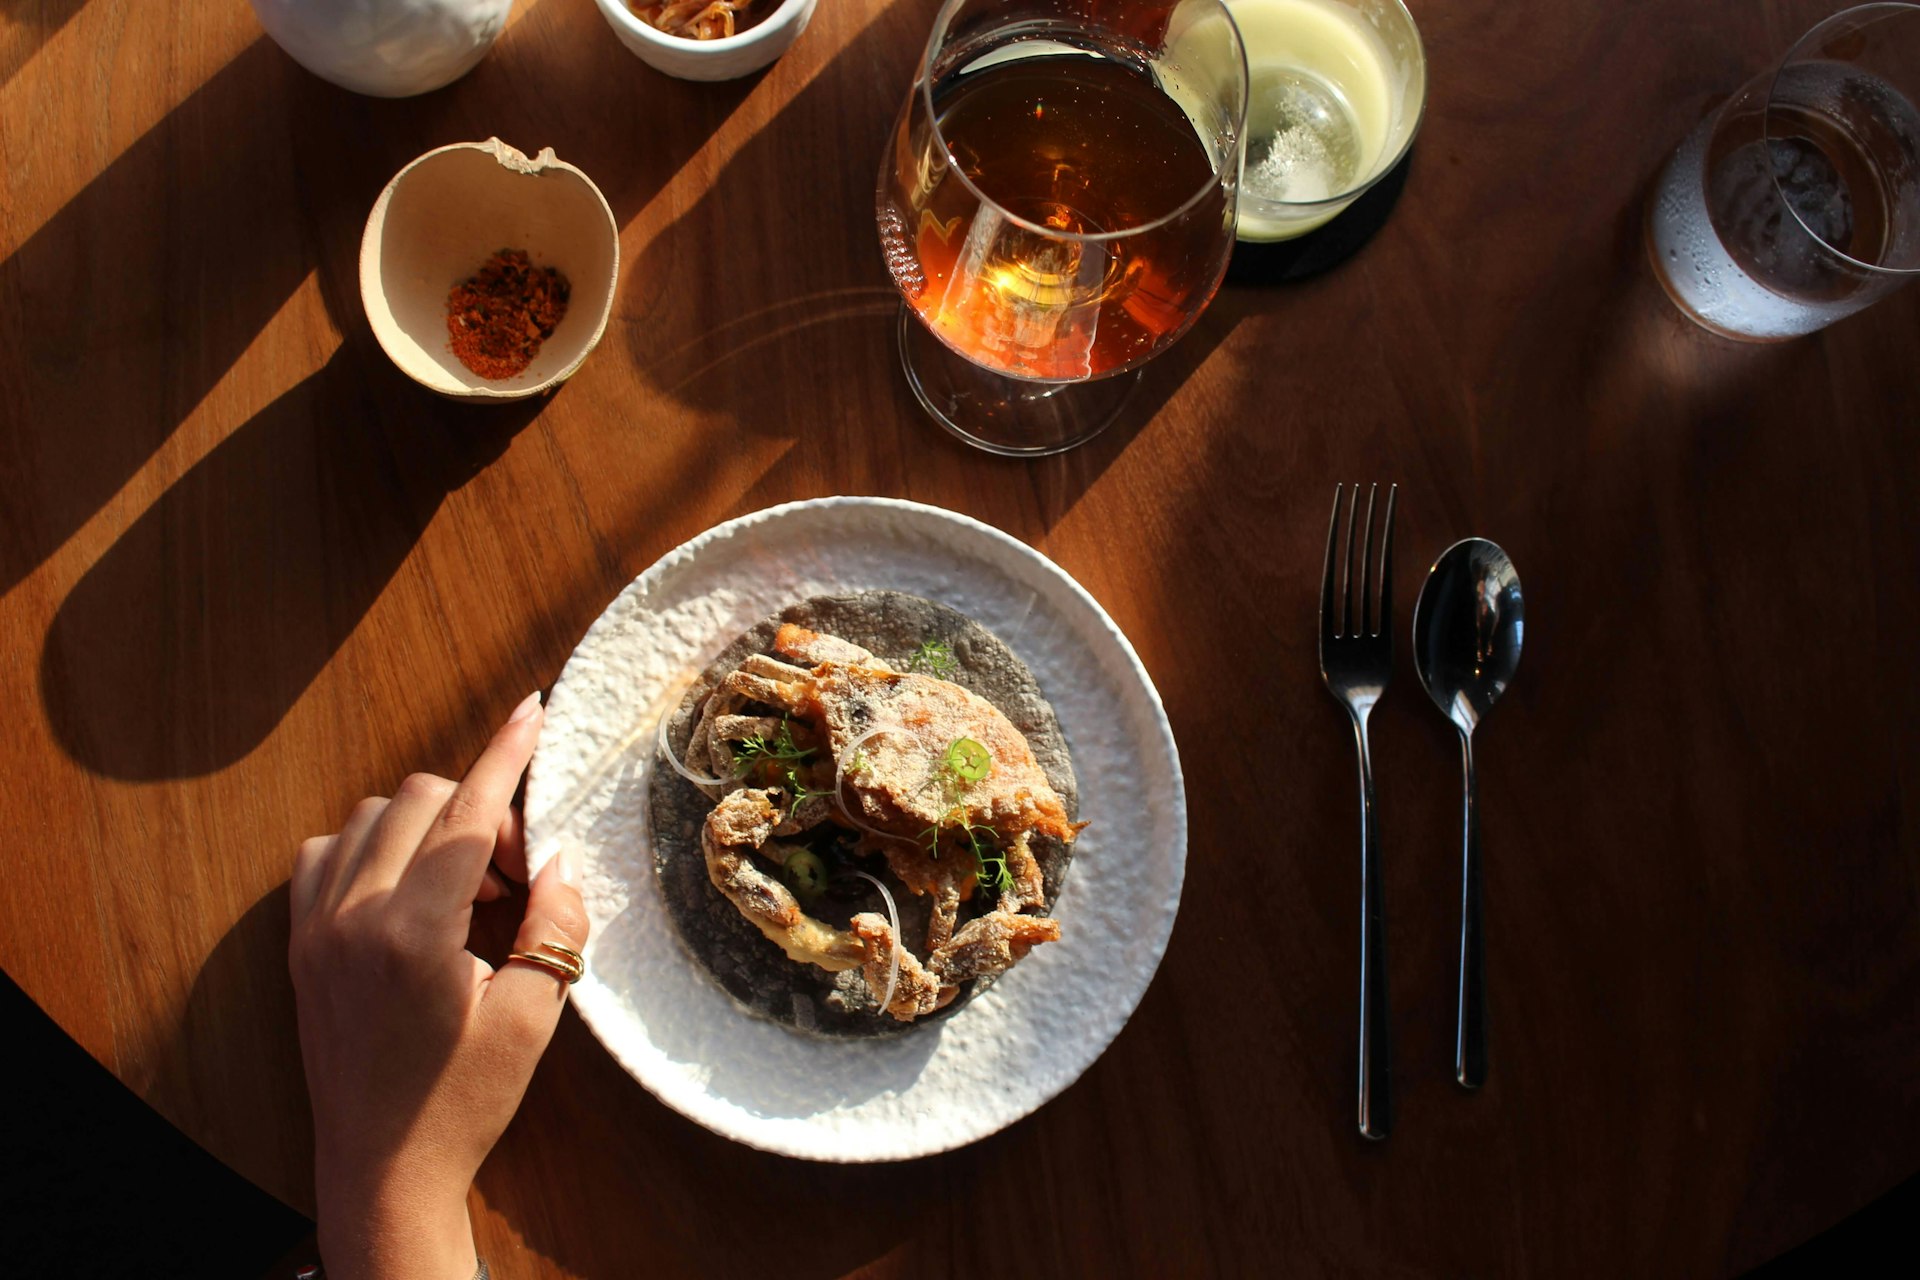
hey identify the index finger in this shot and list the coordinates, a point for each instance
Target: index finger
(454, 853)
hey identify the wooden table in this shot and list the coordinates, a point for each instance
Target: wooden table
(251, 574)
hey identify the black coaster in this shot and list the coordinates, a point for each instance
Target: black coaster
(1327, 247)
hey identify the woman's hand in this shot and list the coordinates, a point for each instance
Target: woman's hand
(417, 1052)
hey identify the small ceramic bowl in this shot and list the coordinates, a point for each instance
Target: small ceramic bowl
(387, 48)
(448, 212)
(726, 59)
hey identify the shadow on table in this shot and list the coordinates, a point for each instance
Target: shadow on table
(1323, 249)
(187, 642)
(652, 1169)
(1261, 279)
(164, 247)
(141, 293)
(29, 26)
(742, 308)
(238, 1028)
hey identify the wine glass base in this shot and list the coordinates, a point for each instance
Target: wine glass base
(1013, 417)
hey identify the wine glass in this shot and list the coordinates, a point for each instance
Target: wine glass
(1057, 206)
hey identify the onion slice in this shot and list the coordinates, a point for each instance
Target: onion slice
(696, 778)
(893, 921)
(840, 776)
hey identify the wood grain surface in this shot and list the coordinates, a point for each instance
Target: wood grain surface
(251, 573)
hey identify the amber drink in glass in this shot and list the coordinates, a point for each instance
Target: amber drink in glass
(1057, 206)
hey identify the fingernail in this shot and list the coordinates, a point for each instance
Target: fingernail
(564, 867)
(525, 711)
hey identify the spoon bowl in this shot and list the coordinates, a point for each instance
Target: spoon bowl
(1467, 629)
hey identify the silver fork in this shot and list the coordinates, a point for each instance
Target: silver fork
(1356, 662)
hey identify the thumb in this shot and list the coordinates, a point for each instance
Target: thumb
(525, 995)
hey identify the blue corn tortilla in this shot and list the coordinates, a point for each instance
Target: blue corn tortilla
(748, 967)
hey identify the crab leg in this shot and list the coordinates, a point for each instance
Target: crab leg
(759, 664)
(915, 991)
(990, 945)
(946, 908)
(738, 728)
(758, 679)
(725, 730)
(739, 825)
(813, 649)
(744, 686)
(1028, 887)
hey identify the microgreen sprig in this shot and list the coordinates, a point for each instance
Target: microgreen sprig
(933, 658)
(982, 841)
(755, 750)
(779, 757)
(801, 791)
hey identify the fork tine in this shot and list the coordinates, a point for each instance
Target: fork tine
(1386, 564)
(1326, 574)
(1346, 567)
(1366, 563)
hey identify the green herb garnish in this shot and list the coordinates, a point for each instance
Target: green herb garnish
(933, 658)
(801, 791)
(755, 751)
(982, 841)
(776, 757)
(966, 761)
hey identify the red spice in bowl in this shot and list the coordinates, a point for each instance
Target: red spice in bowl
(498, 319)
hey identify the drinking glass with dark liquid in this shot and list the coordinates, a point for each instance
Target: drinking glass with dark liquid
(1057, 206)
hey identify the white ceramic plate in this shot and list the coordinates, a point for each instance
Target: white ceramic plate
(1007, 1052)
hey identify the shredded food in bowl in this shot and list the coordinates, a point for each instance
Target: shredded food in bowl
(702, 19)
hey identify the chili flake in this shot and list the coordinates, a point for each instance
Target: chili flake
(499, 318)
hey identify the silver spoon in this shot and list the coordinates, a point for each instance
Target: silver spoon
(1467, 628)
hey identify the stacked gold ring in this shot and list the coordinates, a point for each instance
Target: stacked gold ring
(562, 962)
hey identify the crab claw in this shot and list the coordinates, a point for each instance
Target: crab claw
(992, 944)
(738, 826)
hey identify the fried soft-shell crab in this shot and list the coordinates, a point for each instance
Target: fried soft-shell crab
(874, 750)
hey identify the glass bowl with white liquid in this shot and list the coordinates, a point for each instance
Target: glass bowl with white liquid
(1334, 97)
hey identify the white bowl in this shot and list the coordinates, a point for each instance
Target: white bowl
(387, 48)
(449, 211)
(726, 59)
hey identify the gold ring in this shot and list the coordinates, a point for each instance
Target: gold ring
(562, 962)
